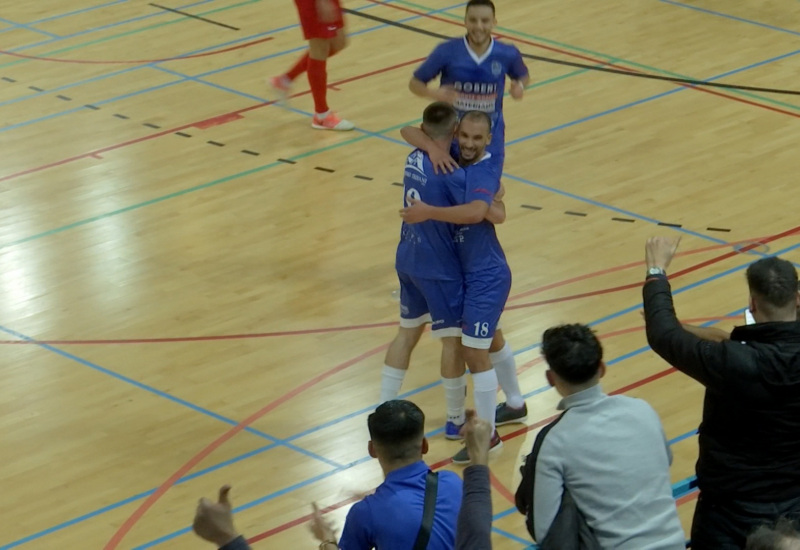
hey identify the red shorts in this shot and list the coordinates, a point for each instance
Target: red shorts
(312, 26)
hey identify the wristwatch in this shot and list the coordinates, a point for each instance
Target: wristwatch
(653, 271)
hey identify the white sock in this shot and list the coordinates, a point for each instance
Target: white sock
(391, 381)
(506, 367)
(485, 386)
(455, 395)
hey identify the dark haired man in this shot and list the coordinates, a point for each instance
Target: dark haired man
(602, 468)
(748, 470)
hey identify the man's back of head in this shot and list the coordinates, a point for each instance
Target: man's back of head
(773, 289)
(439, 121)
(396, 430)
(783, 536)
(574, 354)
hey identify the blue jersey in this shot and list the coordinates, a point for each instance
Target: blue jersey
(480, 81)
(427, 250)
(477, 244)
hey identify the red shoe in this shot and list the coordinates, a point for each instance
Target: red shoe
(331, 122)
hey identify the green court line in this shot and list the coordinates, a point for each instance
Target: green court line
(505, 30)
(241, 174)
(127, 33)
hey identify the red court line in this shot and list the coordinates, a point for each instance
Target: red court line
(504, 491)
(183, 470)
(138, 61)
(593, 60)
(199, 123)
(676, 274)
(686, 498)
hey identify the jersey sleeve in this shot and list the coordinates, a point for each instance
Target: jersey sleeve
(432, 66)
(357, 534)
(517, 68)
(482, 183)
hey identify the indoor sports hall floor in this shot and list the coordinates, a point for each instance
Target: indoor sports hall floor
(196, 288)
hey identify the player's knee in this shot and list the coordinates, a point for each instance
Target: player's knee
(477, 359)
(318, 48)
(338, 43)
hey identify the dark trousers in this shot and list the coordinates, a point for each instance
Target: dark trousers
(725, 524)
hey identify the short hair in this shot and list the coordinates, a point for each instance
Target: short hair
(489, 3)
(573, 352)
(777, 537)
(476, 116)
(397, 427)
(439, 120)
(773, 281)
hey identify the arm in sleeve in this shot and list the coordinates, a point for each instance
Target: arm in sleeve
(357, 531)
(548, 489)
(517, 70)
(474, 530)
(707, 362)
(432, 66)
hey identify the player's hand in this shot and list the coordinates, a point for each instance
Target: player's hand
(326, 11)
(659, 251)
(415, 212)
(500, 193)
(517, 90)
(478, 437)
(320, 528)
(448, 94)
(442, 161)
(213, 521)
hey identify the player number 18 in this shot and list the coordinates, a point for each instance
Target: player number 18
(481, 329)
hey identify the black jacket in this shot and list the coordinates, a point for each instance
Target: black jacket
(750, 433)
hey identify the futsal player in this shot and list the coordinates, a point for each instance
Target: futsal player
(487, 277)
(323, 27)
(473, 71)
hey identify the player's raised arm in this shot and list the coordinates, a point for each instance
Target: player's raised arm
(441, 159)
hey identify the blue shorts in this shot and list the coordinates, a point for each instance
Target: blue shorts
(431, 301)
(485, 295)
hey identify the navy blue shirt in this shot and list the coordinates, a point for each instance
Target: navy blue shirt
(427, 250)
(390, 518)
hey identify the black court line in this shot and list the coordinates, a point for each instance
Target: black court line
(321, 169)
(581, 214)
(35, 89)
(65, 98)
(367, 178)
(531, 207)
(623, 72)
(665, 224)
(182, 134)
(248, 152)
(7, 79)
(287, 161)
(92, 107)
(123, 117)
(398, 184)
(718, 229)
(627, 220)
(218, 144)
(195, 17)
(151, 125)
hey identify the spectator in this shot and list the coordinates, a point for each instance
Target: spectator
(748, 470)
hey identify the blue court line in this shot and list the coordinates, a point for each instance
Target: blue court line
(729, 16)
(109, 26)
(165, 395)
(613, 361)
(520, 351)
(193, 52)
(26, 27)
(75, 12)
(187, 78)
(129, 500)
(515, 538)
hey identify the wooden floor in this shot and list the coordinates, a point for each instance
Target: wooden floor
(196, 288)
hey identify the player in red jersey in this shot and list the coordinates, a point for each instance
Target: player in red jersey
(323, 27)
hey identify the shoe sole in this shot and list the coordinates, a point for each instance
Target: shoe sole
(520, 420)
(319, 127)
(451, 437)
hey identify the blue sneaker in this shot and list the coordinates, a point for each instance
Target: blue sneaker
(453, 430)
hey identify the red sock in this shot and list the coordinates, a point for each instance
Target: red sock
(298, 68)
(318, 79)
